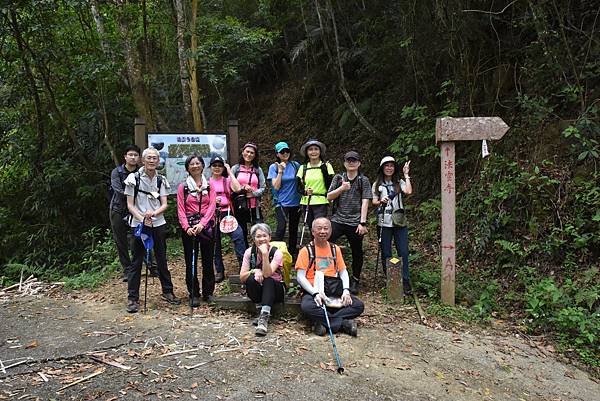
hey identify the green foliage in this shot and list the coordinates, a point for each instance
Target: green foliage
(487, 300)
(571, 309)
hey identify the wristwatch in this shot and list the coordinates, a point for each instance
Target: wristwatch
(362, 223)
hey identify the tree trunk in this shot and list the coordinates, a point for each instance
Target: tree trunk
(194, 88)
(340, 69)
(141, 99)
(183, 68)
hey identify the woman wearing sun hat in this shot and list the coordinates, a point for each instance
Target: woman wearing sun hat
(286, 197)
(387, 196)
(314, 177)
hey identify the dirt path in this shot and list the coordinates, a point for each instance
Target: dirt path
(394, 358)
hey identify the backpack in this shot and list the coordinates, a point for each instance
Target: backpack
(136, 189)
(110, 192)
(333, 286)
(287, 259)
(296, 167)
(240, 202)
(327, 178)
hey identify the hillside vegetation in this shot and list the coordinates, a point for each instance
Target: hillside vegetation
(370, 75)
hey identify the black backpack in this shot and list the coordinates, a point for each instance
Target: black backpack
(327, 178)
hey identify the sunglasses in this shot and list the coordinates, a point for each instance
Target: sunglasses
(282, 151)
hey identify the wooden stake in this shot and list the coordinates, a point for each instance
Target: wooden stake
(448, 223)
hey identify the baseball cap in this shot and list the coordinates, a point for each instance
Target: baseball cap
(352, 155)
(216, 159)
(279, 146)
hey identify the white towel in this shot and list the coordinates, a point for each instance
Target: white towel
(193, 188)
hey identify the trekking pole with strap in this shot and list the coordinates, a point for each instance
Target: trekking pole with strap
(148, 241)
(304, 221)
(340, 369)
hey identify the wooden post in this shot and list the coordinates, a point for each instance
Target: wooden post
(395, 289)
(234, 141)
(447, 131)
(448, 223)
(140, 133)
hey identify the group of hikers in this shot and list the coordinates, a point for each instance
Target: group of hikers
(301, 192)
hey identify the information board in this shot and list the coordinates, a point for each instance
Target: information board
(175, 147)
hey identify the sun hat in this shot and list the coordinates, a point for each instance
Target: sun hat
(311, 142)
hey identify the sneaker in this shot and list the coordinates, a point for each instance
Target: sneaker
(354, 286)
(133, 306)
(319, 329)
(124, 277)
(350, 327)
(171, 298)
(219, 277)
(194, 302)
(209, 299)
(262, 324)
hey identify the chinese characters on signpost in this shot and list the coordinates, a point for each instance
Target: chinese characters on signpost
(447, 131)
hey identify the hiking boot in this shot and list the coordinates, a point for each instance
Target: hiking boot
(133, 306)
(194, 302)
(209, 299)
(219, 277)
(171, 298)
(153, 270)
(262, 324)
(319, 329)
(350, 327)
(354, 286)
(258, 310)
(124, 277)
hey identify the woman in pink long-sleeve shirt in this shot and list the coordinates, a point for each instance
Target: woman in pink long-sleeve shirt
(195, 210)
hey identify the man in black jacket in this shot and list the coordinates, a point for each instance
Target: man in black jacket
(118, 205)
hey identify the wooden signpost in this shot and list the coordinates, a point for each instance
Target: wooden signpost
(447, 131)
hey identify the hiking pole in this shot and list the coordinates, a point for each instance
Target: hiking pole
(304, 222)
(380, 231)
(148, 261)
(193, 276)
(340, 369)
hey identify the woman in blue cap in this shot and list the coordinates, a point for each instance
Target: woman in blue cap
(286, 196)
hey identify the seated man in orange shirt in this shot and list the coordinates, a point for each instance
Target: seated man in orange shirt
(322, 256)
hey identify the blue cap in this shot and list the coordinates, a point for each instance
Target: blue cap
(279, 146)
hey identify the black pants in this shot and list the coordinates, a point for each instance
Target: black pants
(316, 314)
(122, 235)
(134, 273)
(314, 212)
(206, 247)
(267, 293)
(248, 216)
(355, 241)
(283, 215)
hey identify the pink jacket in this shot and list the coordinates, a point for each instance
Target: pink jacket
(192, 206)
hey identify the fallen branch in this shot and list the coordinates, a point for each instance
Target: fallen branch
(185, 351)
(200, 364)
(110, 363)
(96, 373)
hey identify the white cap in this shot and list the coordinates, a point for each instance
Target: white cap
(386, 159)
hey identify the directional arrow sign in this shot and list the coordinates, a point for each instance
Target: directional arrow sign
(469, 129)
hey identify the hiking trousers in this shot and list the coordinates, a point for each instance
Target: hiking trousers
(285, 215)
(314, 212)
(316, 315)
(239, 246)
(206, 249)
(267, 293)
(400, 237)
(249, 216)
(122, 236)
(134, 273)
(355, 241)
